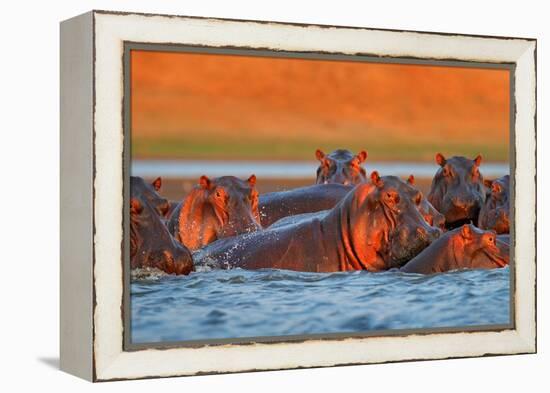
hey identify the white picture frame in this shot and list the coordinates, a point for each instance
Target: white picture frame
(92, 195)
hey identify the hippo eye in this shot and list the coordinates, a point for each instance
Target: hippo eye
(392, 197)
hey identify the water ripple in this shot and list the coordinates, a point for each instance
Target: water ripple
(239, 303)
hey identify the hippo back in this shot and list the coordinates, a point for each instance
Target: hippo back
(276, 205)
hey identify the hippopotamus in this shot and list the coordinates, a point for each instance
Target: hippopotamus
(292, 220)
(276, 205)
(216, 208)
(430, 213)
(149, 192)
(341, 167)
(151, 245)
(457, 190)
(495, 213)
(467, 247)
(374, 227)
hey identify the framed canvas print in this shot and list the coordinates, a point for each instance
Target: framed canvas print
(246, 195)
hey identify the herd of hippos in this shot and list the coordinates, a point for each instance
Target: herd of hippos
(346, 221)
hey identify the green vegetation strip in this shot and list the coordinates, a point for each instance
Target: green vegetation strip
(181, 148)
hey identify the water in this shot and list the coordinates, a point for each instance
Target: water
(239, 303)
(283, 169)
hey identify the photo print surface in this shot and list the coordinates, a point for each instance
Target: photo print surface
(275, 196)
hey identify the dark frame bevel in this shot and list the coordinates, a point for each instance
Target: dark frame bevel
(313, 55)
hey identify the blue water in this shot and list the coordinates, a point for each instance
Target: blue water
(240, 303)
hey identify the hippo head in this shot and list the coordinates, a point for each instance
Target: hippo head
(457, 190)
(408, 232)
(479, 248)
(149, 192)
(341, 166)
(474, 239)
(465, 247)
(430, 214)
(495, 213)
(235, 204)
(491, 257)
(218, 208)
(151, 245)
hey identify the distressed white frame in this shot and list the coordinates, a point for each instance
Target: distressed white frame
(111, 30)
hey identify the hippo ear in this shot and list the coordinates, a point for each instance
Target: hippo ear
(320, 155)
(440, 159)
(205, 182)
(375, 179)
(477, 160)
(157, 183)
(361, 156)
(252, 180)
(410, 180)
(466, 231)
(135, 206)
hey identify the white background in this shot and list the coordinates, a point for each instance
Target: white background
(29, 197)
